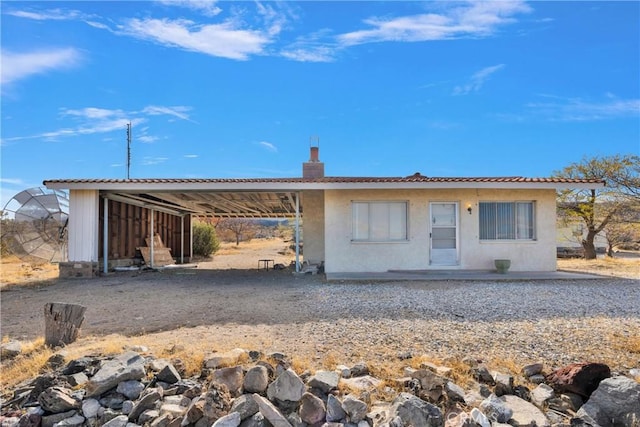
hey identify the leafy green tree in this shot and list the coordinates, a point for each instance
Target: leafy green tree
(205, 240)
(599, 208)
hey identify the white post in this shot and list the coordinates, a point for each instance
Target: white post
(182, 239)
(297, 232)
(190, 237)
(105, 236)
(153, 214)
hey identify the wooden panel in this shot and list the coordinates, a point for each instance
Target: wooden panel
(161, 256)
(130, 225)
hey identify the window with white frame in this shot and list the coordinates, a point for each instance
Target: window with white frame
(507, 221)
(379, 221)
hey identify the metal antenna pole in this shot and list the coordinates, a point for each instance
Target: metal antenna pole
(128, 148)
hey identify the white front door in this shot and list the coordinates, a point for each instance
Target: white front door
(444, 233)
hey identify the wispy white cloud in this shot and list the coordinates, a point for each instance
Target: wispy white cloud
(93, 113)
(226, 40)
(11, 181)
(269, 146)
(471, 19)
(191, 156)
(578, 110)
(315, 47)
(205, 7)
(179, 111)
(150, 161)
(477, 80)
(17, 66)
(47, 15)
(147, 139)
(93, 120)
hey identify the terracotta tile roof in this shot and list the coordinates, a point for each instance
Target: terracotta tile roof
(329, 179)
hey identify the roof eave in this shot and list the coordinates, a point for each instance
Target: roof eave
(302, 186)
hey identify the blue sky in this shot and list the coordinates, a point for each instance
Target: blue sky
(236, 89)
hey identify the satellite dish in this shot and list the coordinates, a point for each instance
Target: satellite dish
(34, 224)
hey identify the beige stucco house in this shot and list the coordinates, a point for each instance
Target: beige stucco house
(351, 224)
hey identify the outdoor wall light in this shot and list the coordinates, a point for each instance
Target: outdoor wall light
(469, 208)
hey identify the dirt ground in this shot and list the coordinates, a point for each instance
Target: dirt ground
(228, 302)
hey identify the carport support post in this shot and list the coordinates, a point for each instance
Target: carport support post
(153, 236)
(182, 239)
(297, 232)
(105, 236)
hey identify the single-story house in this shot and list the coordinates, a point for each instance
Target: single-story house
(351, 224)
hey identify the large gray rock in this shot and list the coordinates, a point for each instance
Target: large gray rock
(194, 412)
(415, 411)
(525, 414)
(76, 421)
(495, 409)
(355, 409)
(334, 409)
(230, 420)
(270, 412)
(324, 380)
(245, 405)
(10, 349)
(312, 409)
(127, 366)
(256, 380)
(541, 394)
(257, 420)
(533, 369)
(131, 389)
(454, 392)
(169, 374)
(288, 387)
(90, 408)
(77, 379)
(616, 399)
(58, 399)
(119, 421)
(231, 377)
(50, 420)
(148, 401)
(479, 418)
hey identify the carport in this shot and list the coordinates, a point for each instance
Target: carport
(142, 207)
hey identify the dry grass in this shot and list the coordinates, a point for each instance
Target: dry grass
(616, 267)
(14, 271)
(627, 343)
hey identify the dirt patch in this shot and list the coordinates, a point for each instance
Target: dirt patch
(227, 302)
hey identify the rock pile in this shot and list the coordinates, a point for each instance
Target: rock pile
(243, 388)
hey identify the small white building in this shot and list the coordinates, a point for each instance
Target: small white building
(351, 224)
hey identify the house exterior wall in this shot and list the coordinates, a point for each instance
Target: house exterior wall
(83, 225)
(313, 226)
(343, 255)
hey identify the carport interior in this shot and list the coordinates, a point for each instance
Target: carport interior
(131, 218)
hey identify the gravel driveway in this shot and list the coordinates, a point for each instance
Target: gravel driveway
(527, 320)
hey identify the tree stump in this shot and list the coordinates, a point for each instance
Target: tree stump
(62, 323)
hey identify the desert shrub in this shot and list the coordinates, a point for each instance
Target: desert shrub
(205, 240)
